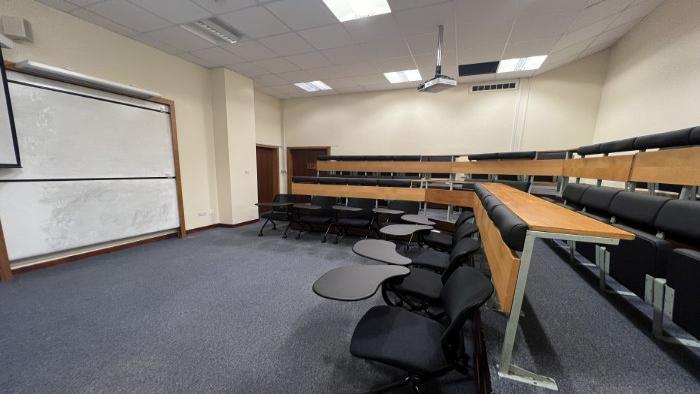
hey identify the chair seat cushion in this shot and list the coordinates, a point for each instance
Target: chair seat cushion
(420, 283)
(683, 277)
(273, 215)
(442, 240)
(399, 338)
(430, 258)
(315, 219)
(353, 222)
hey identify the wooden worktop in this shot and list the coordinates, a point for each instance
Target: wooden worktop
(541, 215)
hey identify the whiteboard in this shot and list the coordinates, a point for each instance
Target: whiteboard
(46, 217)
(8, 142)
(65, 136)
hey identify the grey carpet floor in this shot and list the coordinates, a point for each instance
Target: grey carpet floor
(220, 311)
(226, 311)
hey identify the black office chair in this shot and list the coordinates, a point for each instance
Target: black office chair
(408, 207)
(443, 241)
(306, 219)
(423, 347)
(358, 220)
(277, 214)
(420, 290)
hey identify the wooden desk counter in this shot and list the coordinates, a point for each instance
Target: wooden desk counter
(541, 215)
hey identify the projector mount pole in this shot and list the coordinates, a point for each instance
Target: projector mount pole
(438, 68)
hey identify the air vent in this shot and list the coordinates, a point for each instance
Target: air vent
(489, 87)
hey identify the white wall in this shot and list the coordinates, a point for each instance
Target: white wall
(65, 41)
(558, 110)
(653, 81)
(268, 127)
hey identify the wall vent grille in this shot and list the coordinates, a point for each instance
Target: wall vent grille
(490, 87)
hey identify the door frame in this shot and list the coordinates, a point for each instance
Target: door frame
(275, 167)
(290, 166)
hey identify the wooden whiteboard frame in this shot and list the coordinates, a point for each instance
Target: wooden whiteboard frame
(10, 115)
(181, 231)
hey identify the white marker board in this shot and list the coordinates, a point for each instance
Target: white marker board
(9, 156)
(96, 167)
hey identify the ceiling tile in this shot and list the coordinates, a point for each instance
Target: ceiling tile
(586, 33)
(427, 43)
(478, 53)
(309, 60)
(389, 47)
(224, 6)
(350, 89)
(217, 56)
(269, 80)
(302, 14)
(84, 3)
(327, 37)
(529, 48)
(634, 13)
(426, 19)
(179, 38)
(569, 53)
(531, 25)
(370, 29)
(155, 43)
(347, 55)
(176, 11)
(248, 69)
(287, 44)
(102, 21)
(129, 15)
(397, 5)
(598, 10)
(557, 6)
(296, 76)
(395, 64)
(250, 50)
(193, 59)
(60, 5)
(277, 65)
(370, 79)
(339, 83)
(254, 22)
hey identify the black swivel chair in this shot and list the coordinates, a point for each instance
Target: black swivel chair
(419, 345)
(306, 219)
(277, 214)
(408, 207)
(358, 220)
(444, 241)
(420, 289)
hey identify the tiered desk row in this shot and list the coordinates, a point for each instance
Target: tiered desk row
(509, 219)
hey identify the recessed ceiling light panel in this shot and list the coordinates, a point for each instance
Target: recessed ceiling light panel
(347, 10)
(521, 64)
(313, 86)
(403, 76)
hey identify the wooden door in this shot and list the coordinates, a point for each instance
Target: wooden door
(301, 161)
(268, 173)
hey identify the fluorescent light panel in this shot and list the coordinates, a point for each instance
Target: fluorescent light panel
(212, 31)
(313, 86)
(521, 64)
(403, 76)
(347, 10)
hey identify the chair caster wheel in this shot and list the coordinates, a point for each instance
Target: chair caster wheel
(323, 240)
(259, 234)
(284, 236)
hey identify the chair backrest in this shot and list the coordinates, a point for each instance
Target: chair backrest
(463, 231)
(463, 294)
(326, 203)
(638, 209)
(283, 198)
(411, 207)
(574, 191)
(680, 220)
(367, 204)
(463, 217)
(597, 199)
(459, 255)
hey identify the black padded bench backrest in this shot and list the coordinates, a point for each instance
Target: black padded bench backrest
(618, 146)
(305, 179)
(695, 136)
(637, 208)
(484, 156)
(598, 198)
(574, 191)
(680, 219)
(588, 150)
(664, 140)
(513, 229)
(527, 155)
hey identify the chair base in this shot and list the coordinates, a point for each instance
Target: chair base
(414, 381)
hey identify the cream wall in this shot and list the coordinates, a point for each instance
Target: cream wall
(268, 127)
(65, 41)
(653, 81)
(554, 110)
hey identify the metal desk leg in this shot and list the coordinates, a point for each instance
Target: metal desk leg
(505, 368)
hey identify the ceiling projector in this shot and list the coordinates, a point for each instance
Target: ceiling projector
(439, 82)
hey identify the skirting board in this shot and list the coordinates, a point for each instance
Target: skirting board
(81, 256)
